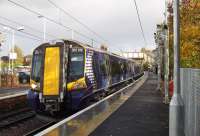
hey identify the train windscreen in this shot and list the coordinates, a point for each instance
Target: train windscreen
(36, 66)
(76, 64)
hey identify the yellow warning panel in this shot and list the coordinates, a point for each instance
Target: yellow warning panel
(51, 71)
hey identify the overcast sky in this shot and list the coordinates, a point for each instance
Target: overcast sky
(115, 20)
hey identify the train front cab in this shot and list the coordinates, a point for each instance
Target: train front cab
(76, 81)
(57, 76)
(47, 77)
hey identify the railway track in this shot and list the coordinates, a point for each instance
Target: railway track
(23, 122)
(16, 116)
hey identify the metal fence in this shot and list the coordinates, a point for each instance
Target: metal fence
(190, 92)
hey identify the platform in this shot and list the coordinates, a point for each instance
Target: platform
(143, 114)
(12, 92)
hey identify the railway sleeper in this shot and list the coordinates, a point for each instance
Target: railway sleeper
(16, 119)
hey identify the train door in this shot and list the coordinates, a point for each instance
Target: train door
(53, 79)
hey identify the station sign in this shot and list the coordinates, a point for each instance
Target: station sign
(13, 55)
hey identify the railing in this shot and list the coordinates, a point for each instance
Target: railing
(190, 92)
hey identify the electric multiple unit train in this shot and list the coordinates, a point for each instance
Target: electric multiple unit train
(66, 73)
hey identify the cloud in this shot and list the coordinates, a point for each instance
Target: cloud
(115, 20)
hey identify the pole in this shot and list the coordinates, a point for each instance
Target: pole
(166, 84)
(159, 68)
(0, 68)
(44, 29)
(176, 104)
(72, 34)
(92, 43)
(12, 50)
(9, 51)
(59, 16)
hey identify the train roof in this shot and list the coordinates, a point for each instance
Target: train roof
(86, 46)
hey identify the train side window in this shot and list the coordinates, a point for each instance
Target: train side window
(131, 65)
(75, 64)
(115, 64)
(102, 61)
(113, 67)
(122, 67)
(107, 63)
(118, 69)
(125, 67)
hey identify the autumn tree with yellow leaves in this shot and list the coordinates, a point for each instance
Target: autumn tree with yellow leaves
(190, 34)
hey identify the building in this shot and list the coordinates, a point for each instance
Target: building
(27, 60)
(140, 57)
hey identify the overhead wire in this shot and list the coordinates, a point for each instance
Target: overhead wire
(51, 20)
(77, 20)
(14, 22)
(13, 28)
(21, 35)
(140, 23)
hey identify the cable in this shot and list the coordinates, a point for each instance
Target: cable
(140, 23)
(75, 19)
(20, 35)
(21, 31)
(9, 20)
(51, 20)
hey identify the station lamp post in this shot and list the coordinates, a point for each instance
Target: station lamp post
(72, 34)
(8, 29)
(0, 66)
(44, 27)
(11, 48)
(1, 42)
(92, 42)
(176, 104)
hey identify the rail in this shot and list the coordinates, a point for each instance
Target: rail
(25, 122)
(13, 95)
(16, 117)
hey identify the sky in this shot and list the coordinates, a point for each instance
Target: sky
(114, 20)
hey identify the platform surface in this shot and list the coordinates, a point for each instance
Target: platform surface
(143, 114)
(12, 91)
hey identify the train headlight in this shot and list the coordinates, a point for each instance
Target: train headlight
(33, 86)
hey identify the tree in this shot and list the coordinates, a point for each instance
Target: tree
(27, 60)
(146, 66)
(20, 56)
(189, 32)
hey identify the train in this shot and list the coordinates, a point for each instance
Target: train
(66, 73)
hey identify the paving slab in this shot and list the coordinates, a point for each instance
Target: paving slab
(143, 114)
